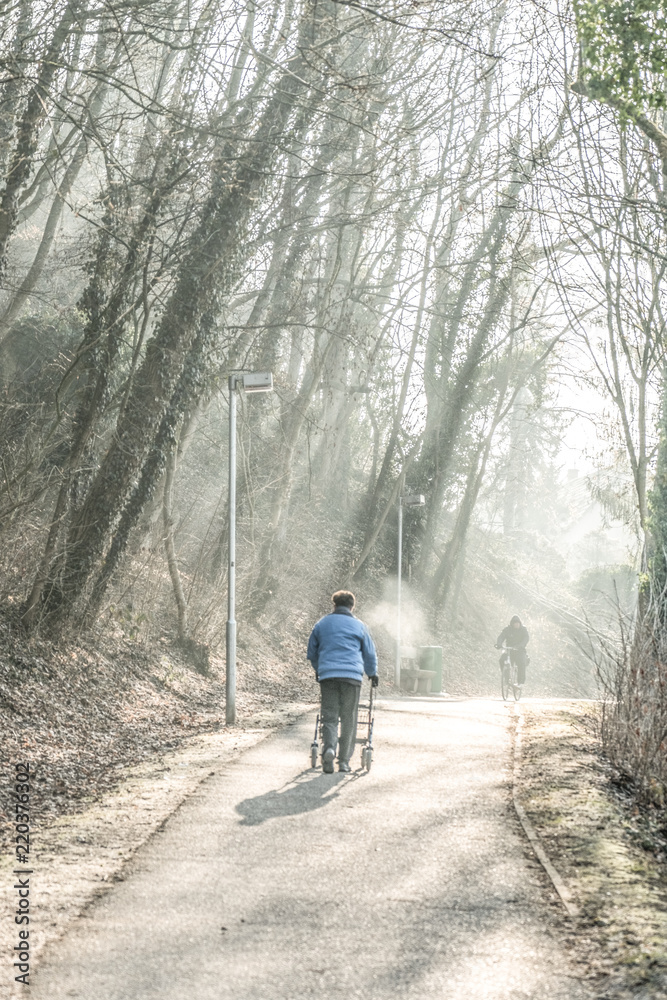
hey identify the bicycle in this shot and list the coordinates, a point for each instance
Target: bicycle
(508, 675)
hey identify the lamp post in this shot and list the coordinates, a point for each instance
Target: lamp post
(408, 501)
(249, 382)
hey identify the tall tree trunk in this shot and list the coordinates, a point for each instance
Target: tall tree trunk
(28, 132)
(208, 273)
(654, 584)
(34, 273)
(170, 549)
(514, 504)
(10, 93)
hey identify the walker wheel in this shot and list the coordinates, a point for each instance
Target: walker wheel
(368, 758)
(313, 756)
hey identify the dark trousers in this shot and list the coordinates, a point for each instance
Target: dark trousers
(340, 701)
(520, 657)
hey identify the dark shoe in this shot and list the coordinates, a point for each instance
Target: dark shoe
(344, 767)
(328, 761)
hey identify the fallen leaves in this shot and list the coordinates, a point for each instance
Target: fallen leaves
(82, 714)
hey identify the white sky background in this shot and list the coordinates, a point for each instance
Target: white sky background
(585, 449)
(585, 408)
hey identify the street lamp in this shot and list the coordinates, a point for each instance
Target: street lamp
(248, 382)
(408, 501)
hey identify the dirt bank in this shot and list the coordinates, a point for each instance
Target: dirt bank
(81, 713)
(611, 855)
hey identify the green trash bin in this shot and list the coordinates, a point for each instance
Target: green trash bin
(430, 658)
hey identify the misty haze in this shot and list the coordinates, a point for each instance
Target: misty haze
(333, 499)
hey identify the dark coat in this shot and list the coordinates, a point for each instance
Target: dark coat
(516, 637)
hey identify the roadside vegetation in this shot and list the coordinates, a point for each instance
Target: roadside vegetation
(611, 853)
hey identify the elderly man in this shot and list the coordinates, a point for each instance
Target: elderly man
(341, 650)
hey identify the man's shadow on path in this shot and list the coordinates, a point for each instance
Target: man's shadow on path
(304, 793)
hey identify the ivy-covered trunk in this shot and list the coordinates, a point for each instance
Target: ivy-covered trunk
(173, 358)
(653, 589)
(27, 130)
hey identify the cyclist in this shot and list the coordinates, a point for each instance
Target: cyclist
(515, 636)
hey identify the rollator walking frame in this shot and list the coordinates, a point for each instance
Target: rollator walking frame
(365, 720)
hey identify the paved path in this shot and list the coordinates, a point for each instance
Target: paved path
(274, 882)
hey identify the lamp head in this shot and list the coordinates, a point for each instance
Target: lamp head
(256, 381)
(417, 500)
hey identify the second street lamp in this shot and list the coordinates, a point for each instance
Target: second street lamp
(248, 382)
(407, 501)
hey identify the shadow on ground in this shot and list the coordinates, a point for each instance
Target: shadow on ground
(304, 793)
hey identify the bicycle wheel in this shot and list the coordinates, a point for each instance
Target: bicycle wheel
(505, 681)
(517, 690)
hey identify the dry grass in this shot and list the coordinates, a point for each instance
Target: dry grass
(633, 722)
(604, 846)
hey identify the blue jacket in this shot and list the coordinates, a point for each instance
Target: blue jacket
(340, 646)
